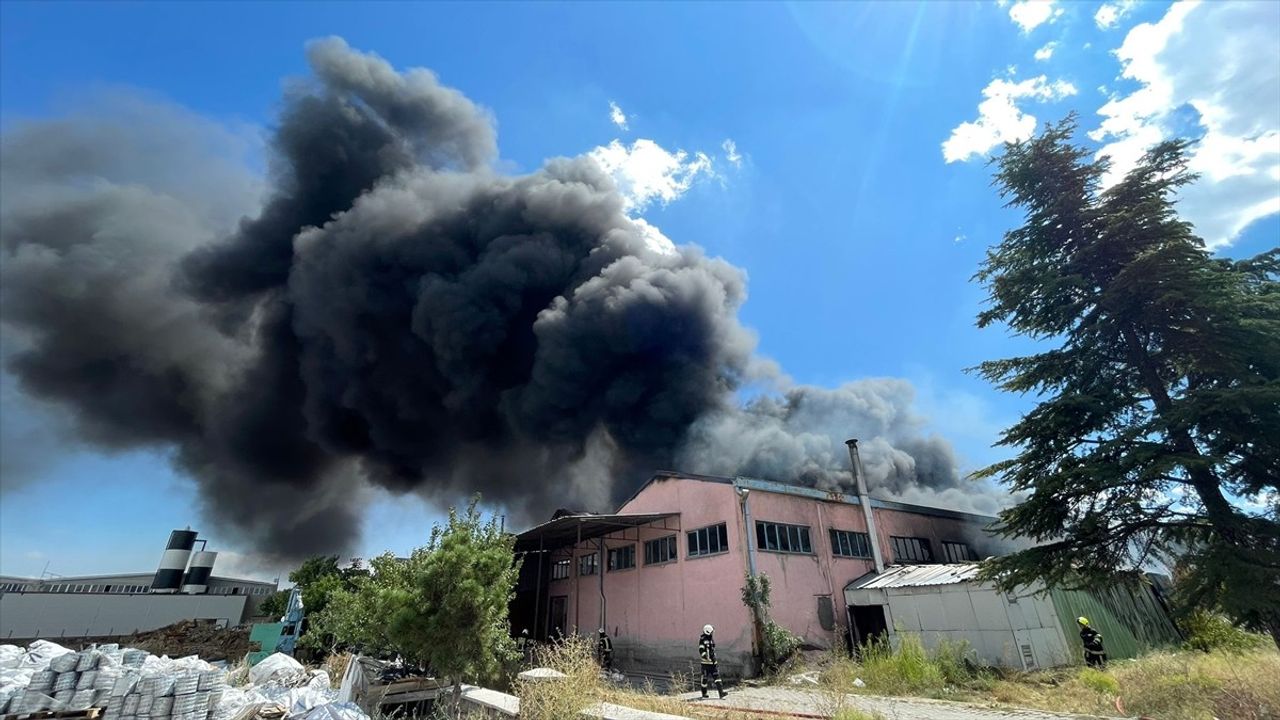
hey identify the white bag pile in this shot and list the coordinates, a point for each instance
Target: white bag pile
(135, 685)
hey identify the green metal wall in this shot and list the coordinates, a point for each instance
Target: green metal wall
(1132, 621)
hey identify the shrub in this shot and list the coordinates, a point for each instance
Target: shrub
(901, 670)
(1207, 631)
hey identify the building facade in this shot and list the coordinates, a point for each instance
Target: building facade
(674, 558)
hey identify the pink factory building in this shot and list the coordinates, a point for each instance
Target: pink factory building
(673, 558)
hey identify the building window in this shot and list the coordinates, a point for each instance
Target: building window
(621, 558)
(588, 564)
(957, 552)
(559, 569)
(847, 543)
(709, 540)
(911, 550)
(776, 537)
(660, 550)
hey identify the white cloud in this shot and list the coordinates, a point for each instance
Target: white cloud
(1031, 14)
(960, 238)
(646, 172)
(653, 237)
(1111, 13)
(731, 153)
(1000, 119)
(1222, 61)
(1046, 52)
(618, 117)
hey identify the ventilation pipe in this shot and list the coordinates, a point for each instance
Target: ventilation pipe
(860, 482)
(196, 581)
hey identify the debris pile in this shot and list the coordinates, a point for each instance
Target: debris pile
(194, 637)
(133, 684)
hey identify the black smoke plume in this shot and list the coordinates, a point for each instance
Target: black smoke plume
(389, 310)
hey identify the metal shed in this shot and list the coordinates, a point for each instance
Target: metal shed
(946, 603)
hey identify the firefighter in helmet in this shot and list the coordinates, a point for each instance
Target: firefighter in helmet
(707, 658)
(604, 646)
(1094, 654)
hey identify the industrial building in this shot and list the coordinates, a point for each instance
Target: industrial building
(843, 568)
(182, 588)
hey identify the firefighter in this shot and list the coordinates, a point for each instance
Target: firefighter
(707, 658)
(1094, 654)
(604, 646)
(524, 643)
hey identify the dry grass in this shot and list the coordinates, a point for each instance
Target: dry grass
(336, 665)
(564, 697)
(1182, 685)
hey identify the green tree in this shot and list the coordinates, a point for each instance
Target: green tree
(1158, 385)
(275, 604)
(444, 607)
(777, 644)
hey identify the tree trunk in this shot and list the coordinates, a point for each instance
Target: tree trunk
(457, 699)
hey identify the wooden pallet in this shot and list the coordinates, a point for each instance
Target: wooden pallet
(90, 714)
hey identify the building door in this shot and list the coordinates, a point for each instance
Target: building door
(558, 615)
(866, 623)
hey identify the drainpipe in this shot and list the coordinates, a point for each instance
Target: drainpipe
(855, 465)
(757, 624)
(600, 571)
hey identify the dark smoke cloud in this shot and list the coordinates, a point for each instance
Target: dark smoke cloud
(390, 310)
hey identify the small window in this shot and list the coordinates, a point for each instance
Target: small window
(560, 570)
(622, 558)
(908, 550)
(846, 543)
(776, 537)
(588, 564)
(957, 552)
(660, 550)
(709, 540)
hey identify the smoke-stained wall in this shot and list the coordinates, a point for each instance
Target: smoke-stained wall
(386, 308)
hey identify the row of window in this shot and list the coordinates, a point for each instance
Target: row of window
(770, 537)
(101, 588)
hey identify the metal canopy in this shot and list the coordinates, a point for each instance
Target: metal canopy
(900, 576)
(571, 529)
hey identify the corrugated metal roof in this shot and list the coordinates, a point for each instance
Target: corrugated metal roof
(919, 576)
(569, 529)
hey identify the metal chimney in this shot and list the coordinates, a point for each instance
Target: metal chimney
(174, 562)
(860, 482)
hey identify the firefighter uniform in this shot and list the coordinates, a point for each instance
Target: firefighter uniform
(605, 647)
(707, 658)
(1094, 653)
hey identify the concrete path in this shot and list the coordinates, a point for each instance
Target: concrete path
(789, 702)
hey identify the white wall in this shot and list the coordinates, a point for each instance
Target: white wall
(54, 615)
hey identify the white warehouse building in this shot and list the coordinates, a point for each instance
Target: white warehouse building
(183, 588)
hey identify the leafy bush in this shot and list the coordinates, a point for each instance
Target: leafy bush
(777, 643)
(1207, 631)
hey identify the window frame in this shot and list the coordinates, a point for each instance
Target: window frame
(590, 560)
(613, 553)
(970, 555)
(922, 543)
(850, 536)
(781, 532)
(722, 539)
(673, 550)
(567, 564)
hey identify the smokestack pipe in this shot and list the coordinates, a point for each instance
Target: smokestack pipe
(855, 466)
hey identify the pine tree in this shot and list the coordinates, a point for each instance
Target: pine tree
(1158, 385)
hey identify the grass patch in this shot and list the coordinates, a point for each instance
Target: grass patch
(1229, 684)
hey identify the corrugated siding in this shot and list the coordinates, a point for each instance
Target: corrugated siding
(1129, 617)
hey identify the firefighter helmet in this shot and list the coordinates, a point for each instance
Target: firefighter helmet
(707, 629)
(1082, 620)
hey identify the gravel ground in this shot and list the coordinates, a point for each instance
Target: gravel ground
(782, 701)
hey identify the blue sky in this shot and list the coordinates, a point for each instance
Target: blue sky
(856, 196)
